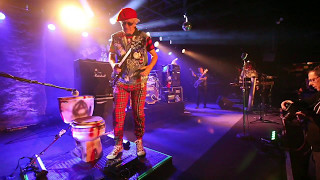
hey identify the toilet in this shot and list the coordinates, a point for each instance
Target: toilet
(86, 129)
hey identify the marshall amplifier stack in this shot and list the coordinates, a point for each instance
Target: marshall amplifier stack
(92, 77)
(174, 72)
(172, 90)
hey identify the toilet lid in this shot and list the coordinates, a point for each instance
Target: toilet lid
(91, 121)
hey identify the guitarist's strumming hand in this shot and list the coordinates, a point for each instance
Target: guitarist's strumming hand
(116, 68)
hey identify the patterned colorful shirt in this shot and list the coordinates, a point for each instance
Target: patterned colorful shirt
(140, 43)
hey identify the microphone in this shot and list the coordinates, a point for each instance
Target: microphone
(75, 92)
(244, 56)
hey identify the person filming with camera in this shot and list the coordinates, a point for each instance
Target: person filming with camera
(308, 109)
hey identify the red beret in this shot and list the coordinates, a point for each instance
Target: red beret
(126, 13)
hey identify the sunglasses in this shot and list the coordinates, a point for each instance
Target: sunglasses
(128, 23)
(313, 80)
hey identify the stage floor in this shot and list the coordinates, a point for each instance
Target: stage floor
(67, 165)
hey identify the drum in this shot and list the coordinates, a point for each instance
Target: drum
(152, 90)
(75, 107)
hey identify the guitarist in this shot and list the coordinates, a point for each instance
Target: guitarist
(132, 76)
(201, 87)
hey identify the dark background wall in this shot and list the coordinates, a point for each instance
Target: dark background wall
(21, 54)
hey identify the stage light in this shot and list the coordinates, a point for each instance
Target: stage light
(170, 53)
(157, 50)
(74, 17)
(85, 34)
(183, 51)
(156, 44)
(170, 41)
(113, 20)
(160, 38)
(2, 16)
(51, 27)
(279, 21)
(273, 135)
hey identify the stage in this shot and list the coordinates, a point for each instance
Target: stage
(67, 165)
(197, 144)
(61, 160)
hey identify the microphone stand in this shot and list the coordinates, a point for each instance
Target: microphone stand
(244, 134)
(43, 171)
(262, 108)
(74, 92)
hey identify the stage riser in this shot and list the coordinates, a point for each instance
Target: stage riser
(68, 166)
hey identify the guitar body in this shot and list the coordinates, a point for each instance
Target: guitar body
(114, 79)
(197, 83)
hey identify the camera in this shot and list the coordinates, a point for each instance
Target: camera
(292, 108)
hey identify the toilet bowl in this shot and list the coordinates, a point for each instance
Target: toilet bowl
(86, 129)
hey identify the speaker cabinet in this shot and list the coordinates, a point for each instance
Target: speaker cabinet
(173, 71)
(175, 74)
(224, 103)
(92, 77)
(172, 95)
(103, 107)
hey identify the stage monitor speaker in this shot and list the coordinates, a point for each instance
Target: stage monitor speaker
(174, 71)
(92, 77)
(224, 103)
(172, 95)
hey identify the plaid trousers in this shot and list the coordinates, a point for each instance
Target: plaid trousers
(121, 94)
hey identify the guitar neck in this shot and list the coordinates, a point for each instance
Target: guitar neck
(125, 57)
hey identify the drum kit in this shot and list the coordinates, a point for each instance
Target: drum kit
(153, 88)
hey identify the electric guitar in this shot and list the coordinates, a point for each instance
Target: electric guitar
(115, 77)
(199, 81)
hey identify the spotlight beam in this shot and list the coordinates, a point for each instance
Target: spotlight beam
(157, 24)
(207, 37)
